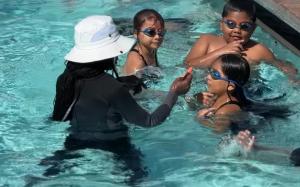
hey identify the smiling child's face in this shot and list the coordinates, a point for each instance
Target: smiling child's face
(238, 18)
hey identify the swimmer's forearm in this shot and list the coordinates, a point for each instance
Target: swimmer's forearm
(285, 67)
(203, 61)
(162, 112)
(171, 99)
(257, 147)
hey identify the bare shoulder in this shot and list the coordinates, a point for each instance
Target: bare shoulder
(203, 42)
(132, 55)
(228, 109)
(261, 47)
(208, 37)
(211, 41)
(133, 62)
(200, 48)
(260, 52)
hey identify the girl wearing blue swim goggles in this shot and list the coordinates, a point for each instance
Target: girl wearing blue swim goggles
(225, 81)
(149, 31)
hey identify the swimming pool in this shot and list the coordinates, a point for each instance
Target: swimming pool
(34, 37)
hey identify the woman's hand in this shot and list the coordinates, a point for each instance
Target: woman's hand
(181, 85)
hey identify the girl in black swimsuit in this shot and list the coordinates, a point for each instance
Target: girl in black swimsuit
(225, 97)
(225, 81)
(149, 32)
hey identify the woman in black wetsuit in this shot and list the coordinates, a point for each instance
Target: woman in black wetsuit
(96, 103)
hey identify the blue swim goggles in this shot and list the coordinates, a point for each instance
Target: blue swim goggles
(217, 76)
(151, 32)
(245, 26)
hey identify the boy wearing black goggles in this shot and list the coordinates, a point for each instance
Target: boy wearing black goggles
(237, 26)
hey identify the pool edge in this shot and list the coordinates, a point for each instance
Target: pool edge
(272, 17)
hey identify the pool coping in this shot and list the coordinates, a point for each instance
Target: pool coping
(287, 10)
(284, 12)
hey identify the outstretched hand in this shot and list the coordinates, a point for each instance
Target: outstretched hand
(181, 85)
(246, 140)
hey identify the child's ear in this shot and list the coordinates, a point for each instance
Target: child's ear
(135, 34)
(231, 87)
(221, 27)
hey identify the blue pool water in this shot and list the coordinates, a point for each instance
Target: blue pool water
(34, 37)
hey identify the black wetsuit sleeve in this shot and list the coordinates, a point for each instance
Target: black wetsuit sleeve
(132, 112)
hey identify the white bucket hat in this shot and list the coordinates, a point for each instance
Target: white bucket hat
(96, 38)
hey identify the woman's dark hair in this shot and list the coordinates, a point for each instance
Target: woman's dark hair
(236, 68)
(67, 81)
(247, 6)
(146, 14)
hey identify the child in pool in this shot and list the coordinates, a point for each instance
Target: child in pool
(225, 81)
(149, 30)
(237, 26)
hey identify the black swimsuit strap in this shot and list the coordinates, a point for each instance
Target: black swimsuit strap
(137, 51)
(145, 62)
(229, 103)
(157, 64)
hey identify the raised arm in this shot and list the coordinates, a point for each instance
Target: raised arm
(197, 53)
(247, 141)
(202, 56)
(134, 113)
(286, 67)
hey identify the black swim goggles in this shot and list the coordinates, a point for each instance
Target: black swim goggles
(151, 32)
(245, 26)
(215, 75)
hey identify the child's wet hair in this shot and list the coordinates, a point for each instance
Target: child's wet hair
(247, 6)
(146, 14)
(235, 68)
